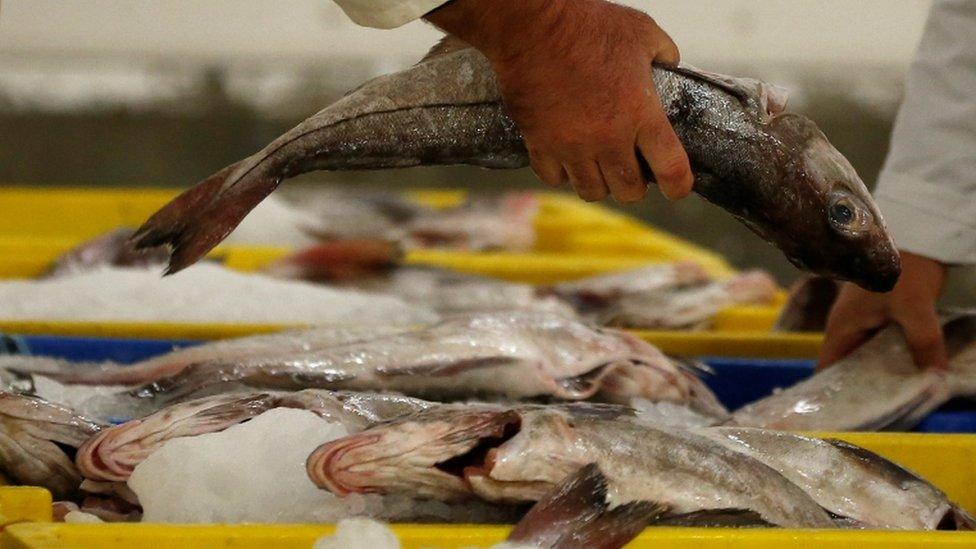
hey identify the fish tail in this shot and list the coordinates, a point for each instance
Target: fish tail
(200, 218)
(576, 514)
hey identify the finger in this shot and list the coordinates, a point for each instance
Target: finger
(660, 146)
(846, 330)
(587, 180)
(923, 332)
(667, 50)
(622, 174)
(548, 169)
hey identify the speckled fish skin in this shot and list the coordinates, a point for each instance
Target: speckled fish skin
(112, 454)
(31, 431)
(686, 308)
(509, 354)
(775, 172)
(518, 454)
(876, 387)
(172, 363)
(847, 480)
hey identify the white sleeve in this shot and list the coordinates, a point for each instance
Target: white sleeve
(927, 188)
(387, 14)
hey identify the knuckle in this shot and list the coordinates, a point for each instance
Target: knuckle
(675, 169)
(592, 193)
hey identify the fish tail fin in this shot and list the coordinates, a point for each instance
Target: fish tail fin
(576, 514)
(200, 218)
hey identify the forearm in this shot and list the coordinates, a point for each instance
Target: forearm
(927, 189)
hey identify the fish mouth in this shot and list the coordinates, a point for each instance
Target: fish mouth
(385, 460)
(105, 458)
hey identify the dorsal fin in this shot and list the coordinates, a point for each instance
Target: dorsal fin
(447, 44)
(771, 99)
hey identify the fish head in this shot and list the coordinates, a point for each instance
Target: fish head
(424, 454)
(847, 238)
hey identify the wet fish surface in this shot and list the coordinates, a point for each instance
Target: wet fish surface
(876, 387)
(774, 171)
(686, 307)
(38, 440)
(850, 482)
(114, 248)
(501, 354)
(576, 514)
(516, 454)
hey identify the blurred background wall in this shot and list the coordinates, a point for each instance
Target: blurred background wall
(165, 92)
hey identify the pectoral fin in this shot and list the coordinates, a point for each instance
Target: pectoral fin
(576, 515)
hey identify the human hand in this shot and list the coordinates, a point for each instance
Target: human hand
(858, 313)
(575, 76)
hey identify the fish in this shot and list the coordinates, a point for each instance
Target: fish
(603, 289)
(847, 480)
(808, 305)
(493, 222)
(112, 454)
(575, 514)
(38, 440)
(497, 354)
(114, 248)
(451, 292)
(507, 454)
(774, 171)
(338, 261)
(689, 307)
(374, 266)
(172, 363)
(876, 387)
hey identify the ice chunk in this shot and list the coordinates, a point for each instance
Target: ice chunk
(253, 472)
(275, 222)
(81, 517)
(360, 534)
(98, 401)
(669, 413)
(203, 293)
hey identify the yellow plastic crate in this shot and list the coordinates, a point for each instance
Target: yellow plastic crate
(24, 504)
(420, 536)
(945, 460)
(576, 239)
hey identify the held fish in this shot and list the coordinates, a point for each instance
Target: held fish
(774, 171)
(876, 387)
(517, 454)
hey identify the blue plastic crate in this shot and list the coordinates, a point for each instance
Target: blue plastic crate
(736, 381)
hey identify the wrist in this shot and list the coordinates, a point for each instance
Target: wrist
(503, 29)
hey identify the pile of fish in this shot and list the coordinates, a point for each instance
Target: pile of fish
(534, 405)
(681, 295)
(504, 424)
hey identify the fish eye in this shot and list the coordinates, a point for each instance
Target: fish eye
(841, 213)
(848, 215)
